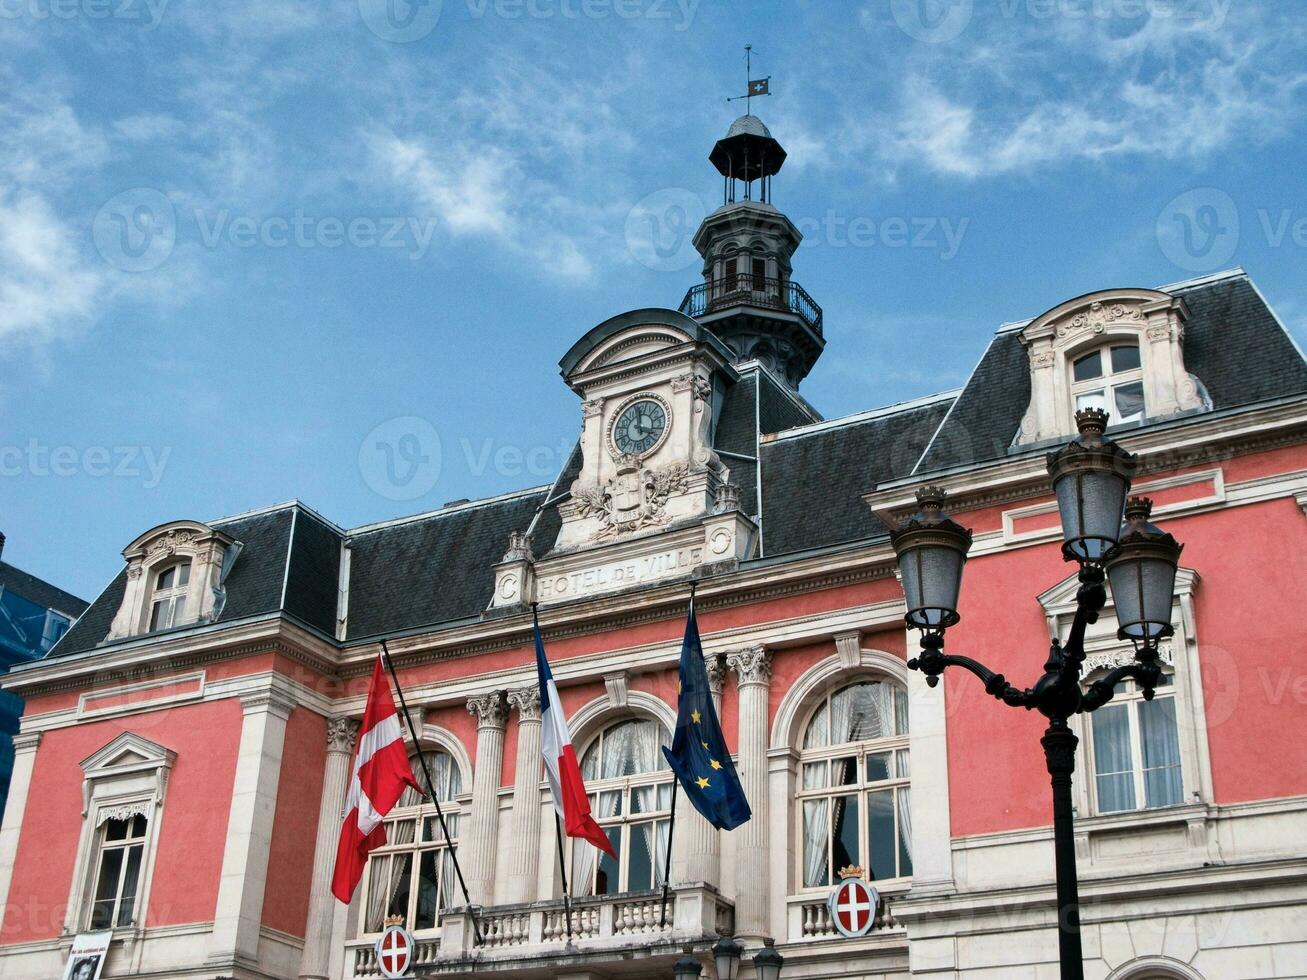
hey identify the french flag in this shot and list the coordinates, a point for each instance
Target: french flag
(381, 772)
(570, 798)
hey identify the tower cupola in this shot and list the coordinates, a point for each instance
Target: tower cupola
(747, 297)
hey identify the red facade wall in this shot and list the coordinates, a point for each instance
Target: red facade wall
(192, 833)
(295, 828)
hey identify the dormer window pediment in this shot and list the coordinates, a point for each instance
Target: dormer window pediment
(1121, 350)
(175, 577)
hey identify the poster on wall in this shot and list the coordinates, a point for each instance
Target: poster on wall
(86, 958)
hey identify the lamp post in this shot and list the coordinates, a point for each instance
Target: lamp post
(1091, 477)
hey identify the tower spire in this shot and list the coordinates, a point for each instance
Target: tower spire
(753, 86)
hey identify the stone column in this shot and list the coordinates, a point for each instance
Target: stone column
(752, 667)
(235, 937)
(523, 853)
(315, 963)
(700, 856)
(478, 842)
(25, 746)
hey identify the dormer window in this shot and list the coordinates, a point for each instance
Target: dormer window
(176, 576)
(1121, 350)
(168, 605)
(1110, 378)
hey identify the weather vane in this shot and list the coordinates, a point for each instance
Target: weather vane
(757, 86)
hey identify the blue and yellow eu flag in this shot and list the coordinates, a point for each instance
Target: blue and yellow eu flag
(698, 754)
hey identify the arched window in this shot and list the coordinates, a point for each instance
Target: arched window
(1134, 751)
(630, 788)
(855, 804)
(1110, 378)
(412, 875)
(168, 601)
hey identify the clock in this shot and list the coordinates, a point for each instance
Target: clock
(640, 426)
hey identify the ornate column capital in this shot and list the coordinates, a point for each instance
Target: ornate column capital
(752, 665)
(490, 709)
(527, 702)
(341, 733)
(715, 664)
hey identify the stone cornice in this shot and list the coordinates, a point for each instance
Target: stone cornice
(129, 662)
(1188, 442)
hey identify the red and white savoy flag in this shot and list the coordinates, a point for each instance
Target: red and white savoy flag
(381, 771)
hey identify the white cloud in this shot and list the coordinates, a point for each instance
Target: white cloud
(46, 288)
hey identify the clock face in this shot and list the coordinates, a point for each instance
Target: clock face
(640, 427)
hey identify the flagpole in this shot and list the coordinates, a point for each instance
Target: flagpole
(562, 870)
(431, 790)
(671, 822)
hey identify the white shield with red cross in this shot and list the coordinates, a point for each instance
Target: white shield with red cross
(853, 907)
(395, 952)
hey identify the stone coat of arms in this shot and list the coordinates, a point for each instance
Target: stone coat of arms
(633, 499)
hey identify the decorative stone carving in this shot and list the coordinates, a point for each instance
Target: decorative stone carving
(168, 544)
(527, 702)
(519, 547)
(632, 500)
(727, 499)
(1120, 656)
(341, 733)
(615, 685)
(1096, 316)
(125, 811)
(752, 665)
(591, 407)
(715, 664)
(490, 710)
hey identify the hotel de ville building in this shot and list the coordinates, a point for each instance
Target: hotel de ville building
(184, 756)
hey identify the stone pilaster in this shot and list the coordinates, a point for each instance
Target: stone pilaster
(20, 782)
(523, 853)
(699, 843)
(318, 938)
(478, 843)
(752, 668)
(235, 937)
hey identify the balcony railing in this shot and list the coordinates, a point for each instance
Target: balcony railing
(600, 927)
(810, 919)
(746, 290)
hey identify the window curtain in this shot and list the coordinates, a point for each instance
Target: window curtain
(1161, 750)
(904, 801)
(378, 894)
(1113, 768)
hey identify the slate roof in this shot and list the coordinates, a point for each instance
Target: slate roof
(40, 591)
(814, 478)
(437, 568)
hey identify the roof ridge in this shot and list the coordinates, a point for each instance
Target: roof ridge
(448, 509)
(871, 415)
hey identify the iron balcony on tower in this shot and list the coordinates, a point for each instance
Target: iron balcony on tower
(733, 292)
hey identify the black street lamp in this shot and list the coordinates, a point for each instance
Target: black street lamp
(767, 962)
(726, 953)
(1091, 477)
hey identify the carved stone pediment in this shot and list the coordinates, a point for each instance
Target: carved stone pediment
(1096, 316)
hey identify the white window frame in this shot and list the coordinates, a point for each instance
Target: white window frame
(170, 595)
(102, 846)
(1131, 697)
(626, 822)
(897, 745)
(1108, 380)
(451, 806)
(127, 776)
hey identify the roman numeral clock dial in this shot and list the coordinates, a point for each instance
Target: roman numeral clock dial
(640, 427)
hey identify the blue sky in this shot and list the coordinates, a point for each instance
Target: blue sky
(265, 250)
